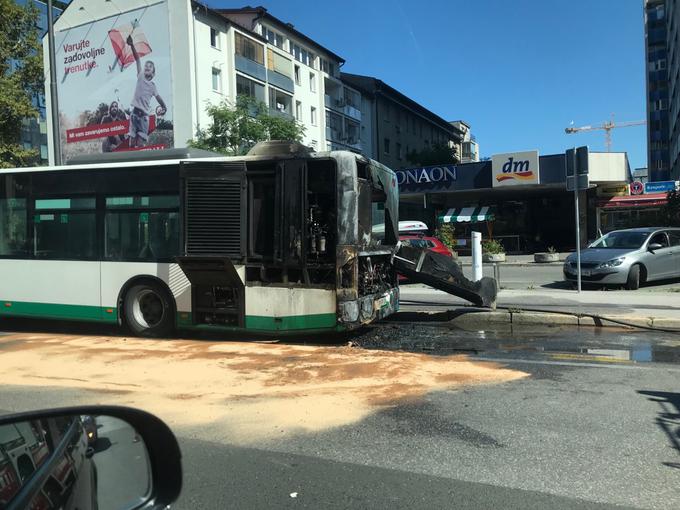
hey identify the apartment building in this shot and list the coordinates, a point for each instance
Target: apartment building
(394, 125)
(202, 56)
(469, 148)
(658, 46)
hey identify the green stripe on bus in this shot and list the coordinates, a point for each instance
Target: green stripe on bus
(58, 311)
(291, 322)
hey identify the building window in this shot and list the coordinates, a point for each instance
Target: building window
(328, 67)
(313, 116)
(278, 63)
(246, 87)
(386, 147)
(297, 75)
(248, 48)
(279, 101)
(302, 55)
(214, 38)
(272, 37)
(312, 82)
(298, 110)
(400, 154)
(216, 80)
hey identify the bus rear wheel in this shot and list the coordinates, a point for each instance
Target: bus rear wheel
(147, 309)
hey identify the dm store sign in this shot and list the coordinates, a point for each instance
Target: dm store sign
(514, 169)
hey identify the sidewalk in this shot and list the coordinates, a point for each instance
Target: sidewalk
(517, 260)
(651, 309)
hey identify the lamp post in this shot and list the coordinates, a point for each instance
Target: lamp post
(54, 106)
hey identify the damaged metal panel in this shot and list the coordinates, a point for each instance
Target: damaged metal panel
(443, 273)
(348, 196)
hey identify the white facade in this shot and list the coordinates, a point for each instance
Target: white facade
(469, 148)
(216, 55)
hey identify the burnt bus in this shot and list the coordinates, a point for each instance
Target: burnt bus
(279, 240)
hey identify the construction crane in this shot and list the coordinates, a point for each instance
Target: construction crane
(607, 128)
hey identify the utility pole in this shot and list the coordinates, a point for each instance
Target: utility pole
(54, 105)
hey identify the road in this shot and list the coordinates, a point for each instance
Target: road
(410, 416)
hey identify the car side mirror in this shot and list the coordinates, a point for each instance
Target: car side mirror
(654, 246)
(89, 457)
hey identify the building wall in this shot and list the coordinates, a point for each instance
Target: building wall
(194, 58)
(404, 131)
(656, 63)
(673, 60)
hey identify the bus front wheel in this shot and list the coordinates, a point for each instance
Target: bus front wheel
(147, 309)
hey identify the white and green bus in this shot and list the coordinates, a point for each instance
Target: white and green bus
(279, 240)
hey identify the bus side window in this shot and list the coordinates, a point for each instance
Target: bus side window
(65, 228)
(13, 227)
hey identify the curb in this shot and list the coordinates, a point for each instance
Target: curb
(482, 319)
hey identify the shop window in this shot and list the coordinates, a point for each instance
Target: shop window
(13, 227)
(65, 229)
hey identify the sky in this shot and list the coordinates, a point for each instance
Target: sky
(517, 71)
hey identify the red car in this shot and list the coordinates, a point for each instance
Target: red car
(431, 243)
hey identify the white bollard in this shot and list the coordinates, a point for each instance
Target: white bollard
(476, 256)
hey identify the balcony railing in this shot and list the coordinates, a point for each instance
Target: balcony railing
(279, 113)
(280, 81)
(250, 67)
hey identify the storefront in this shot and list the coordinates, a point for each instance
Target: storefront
(527, 205)
(639, 205)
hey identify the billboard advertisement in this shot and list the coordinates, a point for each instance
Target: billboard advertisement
(514, 169)
(114, 83)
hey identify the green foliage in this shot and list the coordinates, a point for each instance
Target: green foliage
(492, 246)
(438, 154)
(671, 210)
(446, 233)
(21, 77)
(237, 127)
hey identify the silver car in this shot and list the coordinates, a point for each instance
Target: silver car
(629, 257)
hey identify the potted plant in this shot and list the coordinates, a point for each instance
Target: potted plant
(550, 256)
(446, 233)
(493, 251)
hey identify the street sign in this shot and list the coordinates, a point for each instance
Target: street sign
(582, 182)
(636, 188)
(660, 186)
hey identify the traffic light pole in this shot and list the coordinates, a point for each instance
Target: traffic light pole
(578, 239)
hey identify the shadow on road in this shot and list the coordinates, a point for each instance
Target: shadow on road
(669, 417)
(102, 444)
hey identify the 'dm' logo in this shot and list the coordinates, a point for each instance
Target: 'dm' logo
(518, 170)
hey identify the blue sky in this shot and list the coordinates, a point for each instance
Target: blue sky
(518, 71)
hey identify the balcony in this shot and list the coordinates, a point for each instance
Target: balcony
(352, 112)
(280, 81)
(250, 67)
(334, 103)
(281, 113)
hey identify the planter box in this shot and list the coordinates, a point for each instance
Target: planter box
(542, 258)
(493, 257)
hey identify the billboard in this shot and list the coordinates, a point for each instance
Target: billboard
(514, 169)
(114, 83)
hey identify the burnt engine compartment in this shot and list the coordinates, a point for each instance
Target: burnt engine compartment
(376, 275)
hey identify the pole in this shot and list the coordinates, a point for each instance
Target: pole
(476, 256)
(54, 106)
(578, 233)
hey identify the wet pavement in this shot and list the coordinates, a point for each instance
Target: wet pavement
(568, 344)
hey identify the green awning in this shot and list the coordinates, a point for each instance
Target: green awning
(467, 215)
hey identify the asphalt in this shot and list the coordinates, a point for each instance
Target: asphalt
(594, 425)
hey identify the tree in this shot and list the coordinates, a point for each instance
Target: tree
(438, 154)
(237, 127)
(671, 210)
(21, 78)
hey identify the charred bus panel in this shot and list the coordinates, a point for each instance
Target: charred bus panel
(284, 242)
